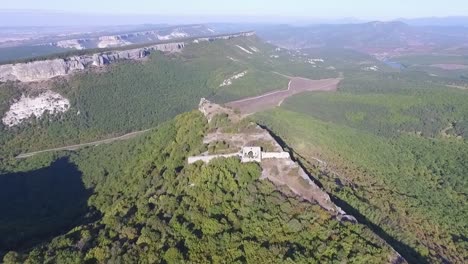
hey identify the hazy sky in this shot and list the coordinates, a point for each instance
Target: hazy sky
(365, 9)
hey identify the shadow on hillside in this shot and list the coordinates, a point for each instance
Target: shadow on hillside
(411, 255)
(37, 205)
(407, 252)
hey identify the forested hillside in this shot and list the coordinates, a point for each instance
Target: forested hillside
(130, 96)
(393, 148)
(146, 205)
(390, 146)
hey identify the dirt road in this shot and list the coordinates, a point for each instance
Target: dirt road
(78, 146)
(269, 100)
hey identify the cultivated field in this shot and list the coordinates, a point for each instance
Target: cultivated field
(269, 100)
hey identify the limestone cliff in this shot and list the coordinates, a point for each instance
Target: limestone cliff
(47, 69)
(135, 37)
(112, 41)
(71, 44)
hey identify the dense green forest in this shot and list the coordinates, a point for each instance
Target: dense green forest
(130, 96)
(396, 152)
(146, 205)
(390, 146)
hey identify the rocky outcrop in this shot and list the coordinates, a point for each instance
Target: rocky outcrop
(112, 41)
(229, 80)
(47, 69)
(174, 34)
(71, 44)
(124, 39)
(225, 37)
(37, 106)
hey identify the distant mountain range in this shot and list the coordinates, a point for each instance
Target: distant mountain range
(381, 39)
(24, 33)
(437, 21)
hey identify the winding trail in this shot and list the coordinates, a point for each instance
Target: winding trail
(78, 146)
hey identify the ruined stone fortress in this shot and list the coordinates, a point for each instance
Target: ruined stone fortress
(246, 154)
(277, 165)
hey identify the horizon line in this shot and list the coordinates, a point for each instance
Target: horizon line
(301, 17)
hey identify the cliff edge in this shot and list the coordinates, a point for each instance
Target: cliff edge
(42, 70)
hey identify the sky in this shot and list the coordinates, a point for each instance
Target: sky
(299, 9)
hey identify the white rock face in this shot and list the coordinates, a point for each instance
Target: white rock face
(35, 106)
(112, 41)
(244, 49)
(254, 49)
(229, 80)
(47, 69)
(316, 60)
(225, 37)
(174, 34)
(70, 44)
(371, 68)
(38, 70)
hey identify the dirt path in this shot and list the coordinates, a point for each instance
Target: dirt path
(78, 146)
(269, 100)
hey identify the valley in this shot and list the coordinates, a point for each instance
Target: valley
(363, 129)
